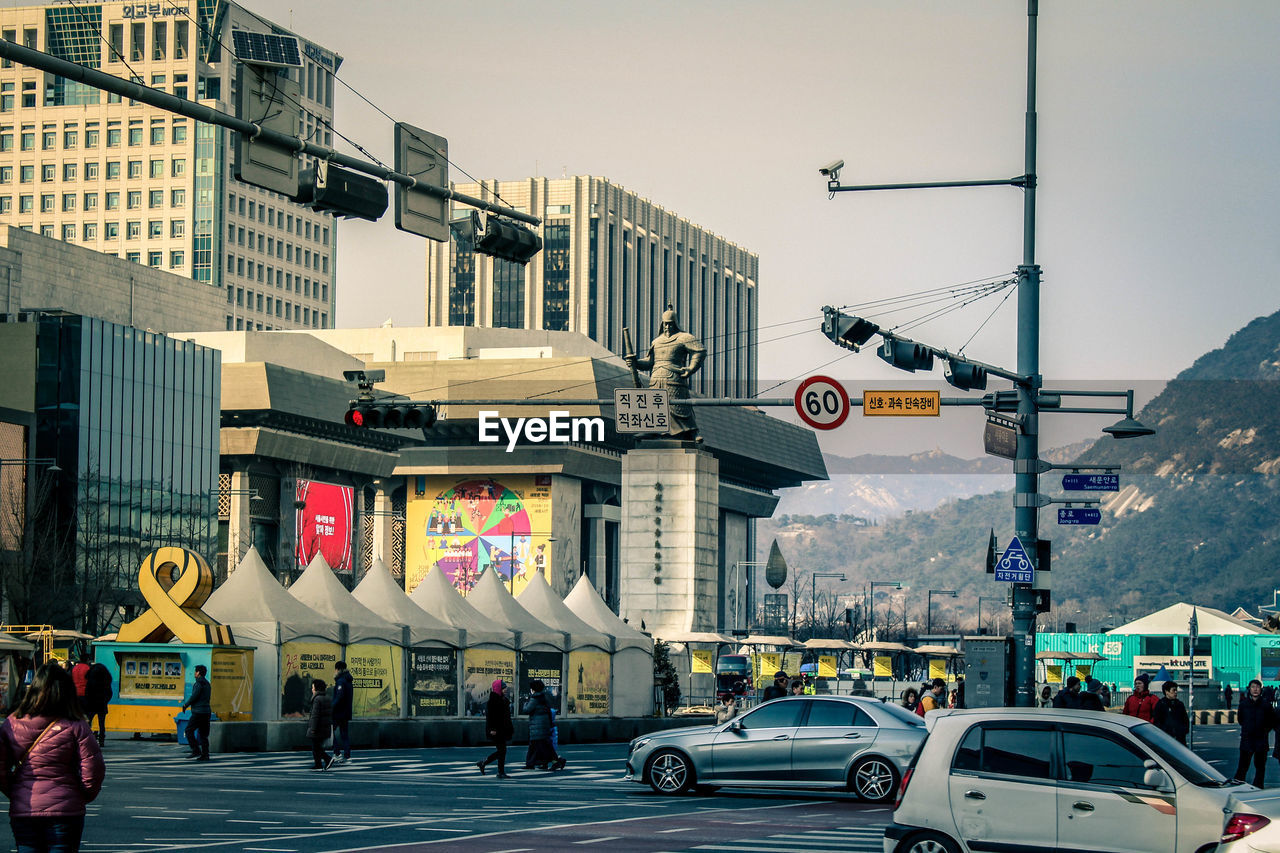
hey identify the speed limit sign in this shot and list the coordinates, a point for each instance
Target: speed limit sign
(822, 403)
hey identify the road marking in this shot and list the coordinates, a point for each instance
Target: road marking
(598, 840)
(156, 817)
(679, 829)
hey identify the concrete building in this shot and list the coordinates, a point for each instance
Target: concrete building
(610, 259)
(119, 177)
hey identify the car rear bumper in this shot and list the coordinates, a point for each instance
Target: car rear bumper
(893, 833)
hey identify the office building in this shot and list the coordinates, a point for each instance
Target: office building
(117, 176)
(610, 260)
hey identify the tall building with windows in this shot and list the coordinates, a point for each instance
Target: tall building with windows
(120, 177)
(610, 260)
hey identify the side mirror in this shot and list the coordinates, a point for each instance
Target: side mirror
(734, 726)
(1154, 777)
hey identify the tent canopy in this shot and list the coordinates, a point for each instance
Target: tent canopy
(890, 648)
(1176, 619)
(251, 594)
(766, 640)
(693, 637)
(587, 605)
(547, 607)
(320, 589)
(10, 643)
(939, 651)
(438, 597)
(491, 597)
(1052, 655)
(379, 592)
(835, 645)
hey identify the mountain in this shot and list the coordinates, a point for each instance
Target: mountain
(1197, 518)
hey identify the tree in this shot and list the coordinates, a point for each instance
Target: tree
(36, 552)
(665, 677)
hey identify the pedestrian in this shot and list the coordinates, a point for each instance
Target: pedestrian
(498, 727)
(1256, 718)
(727, 709)
(910, 698)
(1227, 695)
(50, 765)
(952, 698)
(1141, 703)
(1089, 698)
(97, 697)
(319, 725)
(1171, 715)
(960, 691)
(1046, 697)
(1069, 696)
(201, 714)
(797, 687)
(934, 699)
(776, 690)
(342, 696)
(79, 677)
(541, 753)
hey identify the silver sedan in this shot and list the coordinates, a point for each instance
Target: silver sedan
(848, 742)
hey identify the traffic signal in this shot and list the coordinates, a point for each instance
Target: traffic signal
(906, 355)
(499, 238)
(390, 415)
(342, 192)
(848, 332)
(965, 375)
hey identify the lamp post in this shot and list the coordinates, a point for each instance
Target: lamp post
(929, 617)
(813, 595)
(871, 608)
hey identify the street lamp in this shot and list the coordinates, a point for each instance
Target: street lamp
(813, 595)
(31, 463)
(929, 618)
(871, 609)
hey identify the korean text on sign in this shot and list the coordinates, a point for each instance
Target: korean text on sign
(909, 403)
(640, 410)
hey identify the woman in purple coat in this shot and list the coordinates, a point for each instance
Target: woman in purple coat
(50, 765)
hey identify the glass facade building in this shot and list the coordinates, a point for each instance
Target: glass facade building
(131, 419)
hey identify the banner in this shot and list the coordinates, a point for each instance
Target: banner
(299, 663)
(1053, 673)
(1083, 670)
(937, 668)
(882, 665)
(148, 676)
(376, 672)
(433, 683)
(323, 524)
(231, 679)
(466, 525)
(479, 668)
(700, 661)
(544, 666)
(588, 683)
(827, 666)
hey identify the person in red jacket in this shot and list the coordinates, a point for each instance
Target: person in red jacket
(50, 764)
(1141, 702)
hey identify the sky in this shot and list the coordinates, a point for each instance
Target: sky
(1158, 188)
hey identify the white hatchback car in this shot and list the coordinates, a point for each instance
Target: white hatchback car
(1027, 779)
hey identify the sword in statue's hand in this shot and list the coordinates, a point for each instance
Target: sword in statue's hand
(630, 356)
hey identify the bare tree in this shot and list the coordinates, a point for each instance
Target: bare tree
(36, 554)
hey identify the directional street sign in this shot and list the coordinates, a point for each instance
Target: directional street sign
(1014, 566)
(1079, 515)
(1091, 482)
(822, 402)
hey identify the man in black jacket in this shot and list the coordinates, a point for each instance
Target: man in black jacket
(342, 696)
(1256, 718)
(776, 690)
(1171, 715)
(498, 727)
(1068, 696)
(319, 725)
(201, 714)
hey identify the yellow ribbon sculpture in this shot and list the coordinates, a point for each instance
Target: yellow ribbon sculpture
(176, 583)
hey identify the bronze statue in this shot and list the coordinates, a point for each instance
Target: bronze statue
(673, 357)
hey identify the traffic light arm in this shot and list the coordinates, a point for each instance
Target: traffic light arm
(834, 185)
(199, 112)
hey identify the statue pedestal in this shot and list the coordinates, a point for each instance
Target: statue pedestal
(668, 549)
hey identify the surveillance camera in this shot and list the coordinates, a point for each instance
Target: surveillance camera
(353, 375)
(832, 170)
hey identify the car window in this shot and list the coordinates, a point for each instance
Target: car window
(1192, 767)
(838, 714)
(1099, 759)
(1007, 751)
(901, 714)
(774, 715)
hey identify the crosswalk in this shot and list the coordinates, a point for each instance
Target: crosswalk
(860, 839)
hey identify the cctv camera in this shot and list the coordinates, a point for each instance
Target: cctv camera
(832, 170)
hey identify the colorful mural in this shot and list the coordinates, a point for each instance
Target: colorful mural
(468, 526)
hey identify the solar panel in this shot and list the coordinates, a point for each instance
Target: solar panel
(266, 49)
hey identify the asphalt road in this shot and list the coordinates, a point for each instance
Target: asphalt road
(402, 801)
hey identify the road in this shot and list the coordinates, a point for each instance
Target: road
(404, 801)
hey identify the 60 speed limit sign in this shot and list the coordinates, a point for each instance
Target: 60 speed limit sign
(822, 403)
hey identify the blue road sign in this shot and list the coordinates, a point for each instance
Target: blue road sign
(1079, 515)
(1014, 566)
(1091, 482)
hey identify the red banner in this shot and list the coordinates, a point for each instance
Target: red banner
(325, 519)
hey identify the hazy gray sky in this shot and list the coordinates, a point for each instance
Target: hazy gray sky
(1157, 163)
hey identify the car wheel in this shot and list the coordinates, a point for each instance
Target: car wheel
(670, 772)
(928, 842)
(874, 780)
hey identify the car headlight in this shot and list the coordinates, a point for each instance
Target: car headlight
(637, 744)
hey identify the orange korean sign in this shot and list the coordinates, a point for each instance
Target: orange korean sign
(901, 403)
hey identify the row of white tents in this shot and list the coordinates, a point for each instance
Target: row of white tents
(317, 608)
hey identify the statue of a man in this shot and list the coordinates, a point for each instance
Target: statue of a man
(673, 357)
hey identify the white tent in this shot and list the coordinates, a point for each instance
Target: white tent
(631, 689)
(438, 597)
(491, 597)
(320, 589)
(379, 592)
(1176, 619)
(547, 607)
(263, 616)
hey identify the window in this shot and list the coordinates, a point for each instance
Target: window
(112, 230)
(90, 138)
(6, 141)
(91, 171)
(132, 229)
(772, 716)
(68, 202)
(46, 203)
(26, 204)
(113, 170)
(134, 199)
(155, 198)
(11, 36)
(133, 257)
(6, 204)
(178, 197)
(157, 133)
(176, 260)
(135, 168)
(137, 41)
(70, 138)
(159, 44)
(48, 172)
(48, 139)
(823, 713)
(113, 201)
(69, 232)
(69, 171)
(113, 137)
(157, 168)
(28, 140)
(135, 133)
(90, 201)
(6, 96)
(1006, 751)
(115, 39)
(240, 296)
(179, 167)
(179, 132)
(180, 33)
(6, 174)
(26, 174)
(177, 227)
(155, 228)
(91, 231)
(155, 259)
(29, 96)
(1099, 760)
(46, 231)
